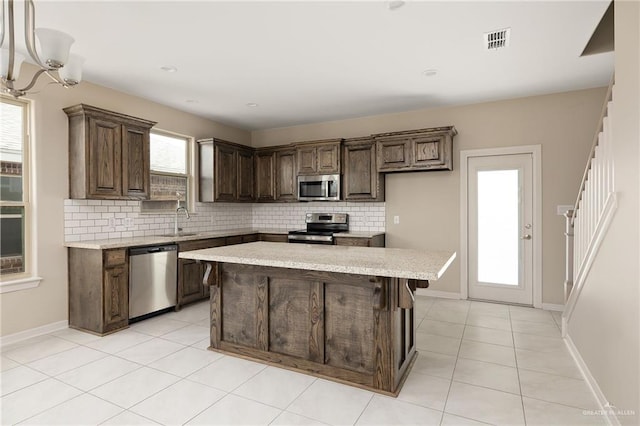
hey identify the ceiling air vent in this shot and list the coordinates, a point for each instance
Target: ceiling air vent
(497, 39)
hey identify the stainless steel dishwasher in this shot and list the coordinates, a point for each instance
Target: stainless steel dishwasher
(153, 279)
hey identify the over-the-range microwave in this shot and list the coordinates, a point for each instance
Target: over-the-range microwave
(319, 188)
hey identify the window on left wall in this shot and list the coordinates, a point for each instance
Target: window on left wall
(15, 202)
(170, 172)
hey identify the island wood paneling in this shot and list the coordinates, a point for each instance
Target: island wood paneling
(349, 328)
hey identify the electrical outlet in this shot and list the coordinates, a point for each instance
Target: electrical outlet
(112, 222)
(396, 220)
(128, 221)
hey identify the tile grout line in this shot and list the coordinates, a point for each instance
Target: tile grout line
(515, 356)
(455, 364)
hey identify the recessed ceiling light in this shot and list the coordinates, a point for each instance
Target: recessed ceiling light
(191, 101)
(169, 68)
(395, 4)
(252, 104)
(430, 72)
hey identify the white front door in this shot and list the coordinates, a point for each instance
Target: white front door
(500, 228)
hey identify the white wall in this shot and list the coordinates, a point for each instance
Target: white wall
(605, 326)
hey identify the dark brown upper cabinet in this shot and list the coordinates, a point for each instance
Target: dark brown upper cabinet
(286, 179)
(415, 150)
(361, 180)
(319, 157)
(265, 174)
(108, 154)
(225, 171)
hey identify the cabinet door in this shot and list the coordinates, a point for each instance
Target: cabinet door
(190, 286)
(432, 152)
(307, 160)
(265, 175)
(105, 158)
(329, 159)
(135, 162)
(361, 178)
(225, 169)
(394, 154)
(357, 242)
(245, 175)
(286, 185)
(116, 297)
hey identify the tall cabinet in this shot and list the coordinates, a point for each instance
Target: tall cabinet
(108, 154)
(225, 171)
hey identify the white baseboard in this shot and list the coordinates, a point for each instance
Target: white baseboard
(605, 409)
(437, 293)
(552, 307)
(32, 332)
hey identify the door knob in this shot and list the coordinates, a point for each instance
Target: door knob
(525, 237)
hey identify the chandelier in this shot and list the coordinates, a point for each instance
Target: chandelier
(57, 63)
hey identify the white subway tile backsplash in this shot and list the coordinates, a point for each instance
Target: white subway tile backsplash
(91, 219)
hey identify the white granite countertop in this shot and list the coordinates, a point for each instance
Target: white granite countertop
(376, 261)
(114, 243)
(160, 239)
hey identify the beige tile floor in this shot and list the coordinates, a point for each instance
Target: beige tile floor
(478, 363)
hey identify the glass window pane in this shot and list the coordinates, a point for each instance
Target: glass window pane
(11, 143)
(498, 223)
(168, 154)
(11, 239)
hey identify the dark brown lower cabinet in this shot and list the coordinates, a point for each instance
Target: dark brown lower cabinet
(98, 290)
(191, 273)
(375, 241)
(355, 329)
(274, 238)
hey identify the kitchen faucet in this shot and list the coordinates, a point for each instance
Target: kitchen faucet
(179, 209)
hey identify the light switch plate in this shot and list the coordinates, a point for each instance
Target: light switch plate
(396, 220)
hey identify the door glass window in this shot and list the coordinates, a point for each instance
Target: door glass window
(498, 223)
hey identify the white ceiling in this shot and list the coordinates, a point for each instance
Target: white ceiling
(305, 62)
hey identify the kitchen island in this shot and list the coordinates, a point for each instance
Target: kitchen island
(338, 312)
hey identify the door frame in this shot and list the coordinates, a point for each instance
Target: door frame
(536, 154)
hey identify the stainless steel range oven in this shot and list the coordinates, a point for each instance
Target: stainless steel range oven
(320, 228)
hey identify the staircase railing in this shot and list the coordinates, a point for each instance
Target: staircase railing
(593, 209)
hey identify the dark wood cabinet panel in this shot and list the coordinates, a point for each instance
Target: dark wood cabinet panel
(116, 297)
(286, 180)
(307, 160)
(245, 175)
(190, 288)
(352, 328)
(394, 155)
(361, 179)
(415, 150)
(265, 175)
(191, 273)
(98, 290)
(105, 158)
(329, 158)
(235, 239)
(319, 157)
(108, 154)
(225, 168)
(225, 171)
(375, 241)
(136, 180)
(274, 238)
